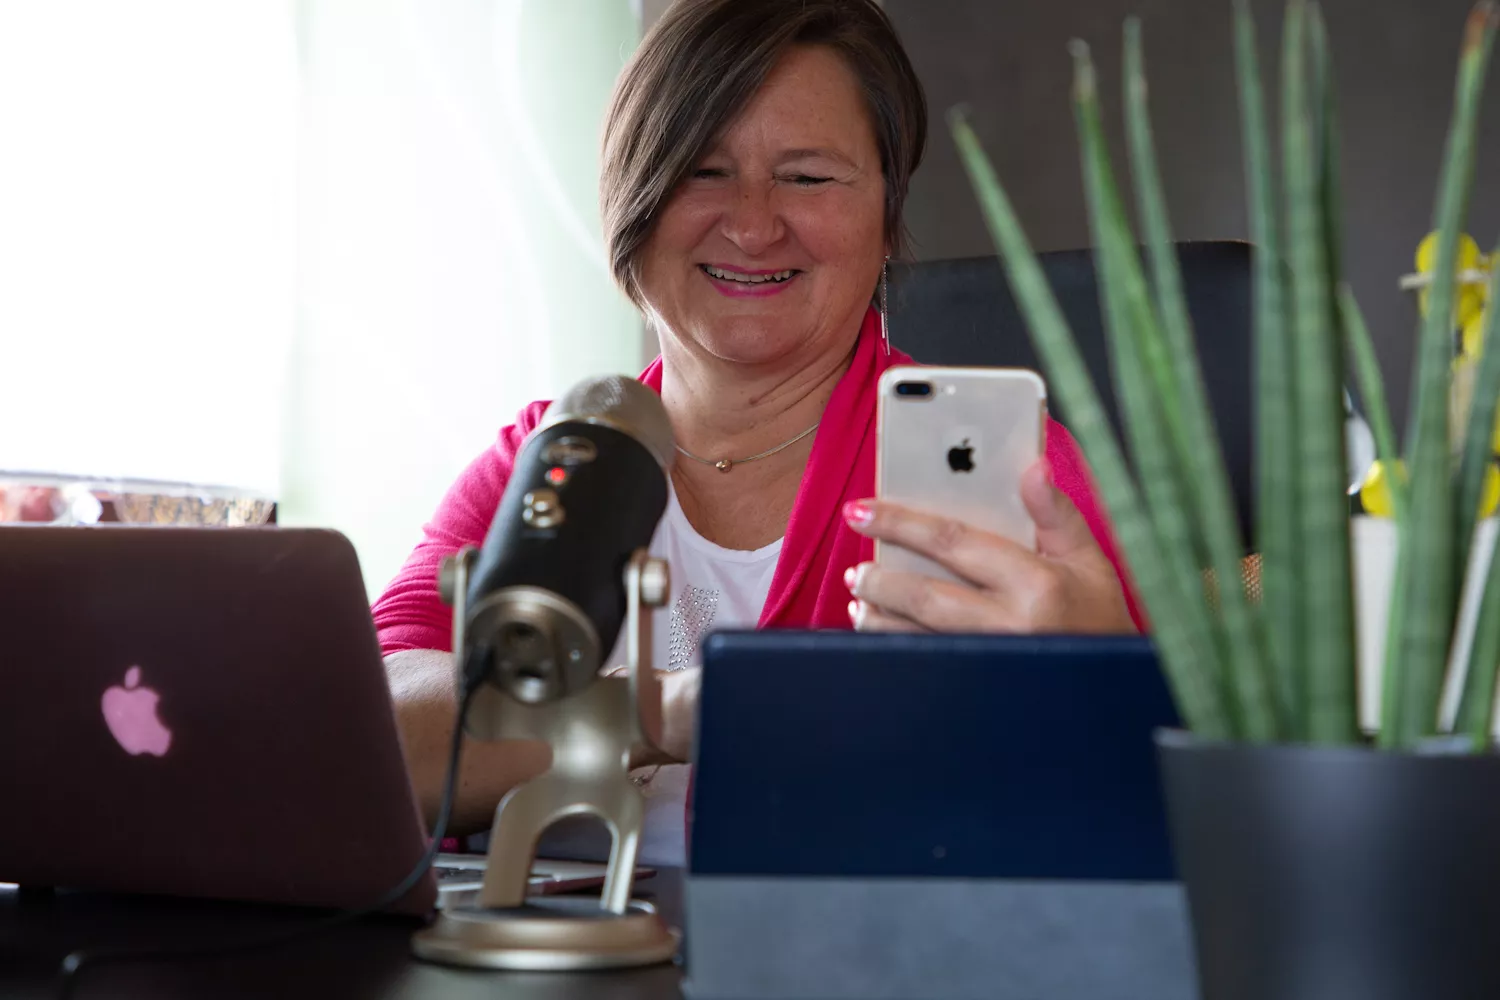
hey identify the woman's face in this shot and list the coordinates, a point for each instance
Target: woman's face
(774, 243)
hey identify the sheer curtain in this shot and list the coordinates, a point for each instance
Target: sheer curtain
(451, 264)
(147, 196)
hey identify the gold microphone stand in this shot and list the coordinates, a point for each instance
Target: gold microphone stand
(591, 723)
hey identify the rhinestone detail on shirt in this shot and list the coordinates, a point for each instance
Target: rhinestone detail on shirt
(692, 617)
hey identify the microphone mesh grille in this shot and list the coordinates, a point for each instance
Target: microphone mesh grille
(624, 403)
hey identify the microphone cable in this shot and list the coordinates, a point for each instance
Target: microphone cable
(76, 962)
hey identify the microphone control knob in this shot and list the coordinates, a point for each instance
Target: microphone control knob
(543, 509)
(448, 573)
(656, 583)
(447, 578)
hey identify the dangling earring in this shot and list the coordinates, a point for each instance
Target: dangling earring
(885, 330)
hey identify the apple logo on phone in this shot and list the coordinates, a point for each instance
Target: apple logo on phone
(961, 457)
(130, 714)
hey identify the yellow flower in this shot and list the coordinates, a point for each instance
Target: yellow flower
(1469, 301)
(1468, 253)
(1473, 335)
(1470, 305)
(1375, 491)
(1489, 494)
(1466, 307)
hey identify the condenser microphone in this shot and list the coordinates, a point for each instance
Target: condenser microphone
(563, 573)
(546, 595)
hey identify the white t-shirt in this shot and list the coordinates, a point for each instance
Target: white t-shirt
(713, 588)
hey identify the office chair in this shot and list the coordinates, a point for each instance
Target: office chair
(960, 312)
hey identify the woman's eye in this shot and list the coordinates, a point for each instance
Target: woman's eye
(703, 173)
(807, 180)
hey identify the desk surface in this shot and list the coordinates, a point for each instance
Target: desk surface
(368, 959)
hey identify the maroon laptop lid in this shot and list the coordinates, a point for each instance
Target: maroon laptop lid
(200, 712)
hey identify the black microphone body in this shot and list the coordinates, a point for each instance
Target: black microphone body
(588, 489)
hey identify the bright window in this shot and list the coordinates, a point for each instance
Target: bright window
(147, 242)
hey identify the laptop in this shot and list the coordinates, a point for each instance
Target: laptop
(204, 712)
(891, 816)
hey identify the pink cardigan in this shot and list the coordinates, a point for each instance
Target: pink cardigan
(807, 590)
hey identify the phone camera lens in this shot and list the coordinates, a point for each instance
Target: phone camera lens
(914, 390)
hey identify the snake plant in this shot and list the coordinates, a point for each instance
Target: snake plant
(1281, 667)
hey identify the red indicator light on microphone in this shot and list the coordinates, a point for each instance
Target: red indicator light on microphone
(557, 475)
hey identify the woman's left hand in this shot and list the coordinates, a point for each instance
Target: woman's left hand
(1067, 585)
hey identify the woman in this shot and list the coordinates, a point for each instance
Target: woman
(756, 158)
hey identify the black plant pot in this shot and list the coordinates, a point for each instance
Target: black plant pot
(1323, 874)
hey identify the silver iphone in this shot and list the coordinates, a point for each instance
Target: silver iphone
(954, 442)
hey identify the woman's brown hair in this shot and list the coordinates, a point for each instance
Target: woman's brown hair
(697, 69)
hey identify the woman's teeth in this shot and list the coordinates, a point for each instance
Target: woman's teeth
(747, 279)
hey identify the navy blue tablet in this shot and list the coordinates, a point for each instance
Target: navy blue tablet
(998, 757)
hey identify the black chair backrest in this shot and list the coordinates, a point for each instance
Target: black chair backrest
(960, 312)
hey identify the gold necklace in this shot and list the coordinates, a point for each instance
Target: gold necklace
(725, 464)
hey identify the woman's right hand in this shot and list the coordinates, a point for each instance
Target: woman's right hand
(679, 701)
(679, 723)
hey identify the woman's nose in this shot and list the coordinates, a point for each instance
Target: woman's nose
(751, 219)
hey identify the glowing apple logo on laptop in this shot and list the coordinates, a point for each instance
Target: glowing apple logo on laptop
(130, 713)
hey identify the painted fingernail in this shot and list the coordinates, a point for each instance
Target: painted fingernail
(858, 513)
(851, 575)
(854, 612)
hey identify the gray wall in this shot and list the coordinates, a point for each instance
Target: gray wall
(1008, 60)
(1394, 62)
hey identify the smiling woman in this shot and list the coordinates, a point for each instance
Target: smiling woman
(784, 209)
(756, 159)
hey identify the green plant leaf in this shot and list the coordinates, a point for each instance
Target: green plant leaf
(1200, 455)
(1476, 707)
(1479, 433)
(1329, 188)
(1372, 393)
(1324, 576)
(1186, 665)
(1422, 627)
(1276, 525)
(1143, 378)
(1476, 703)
